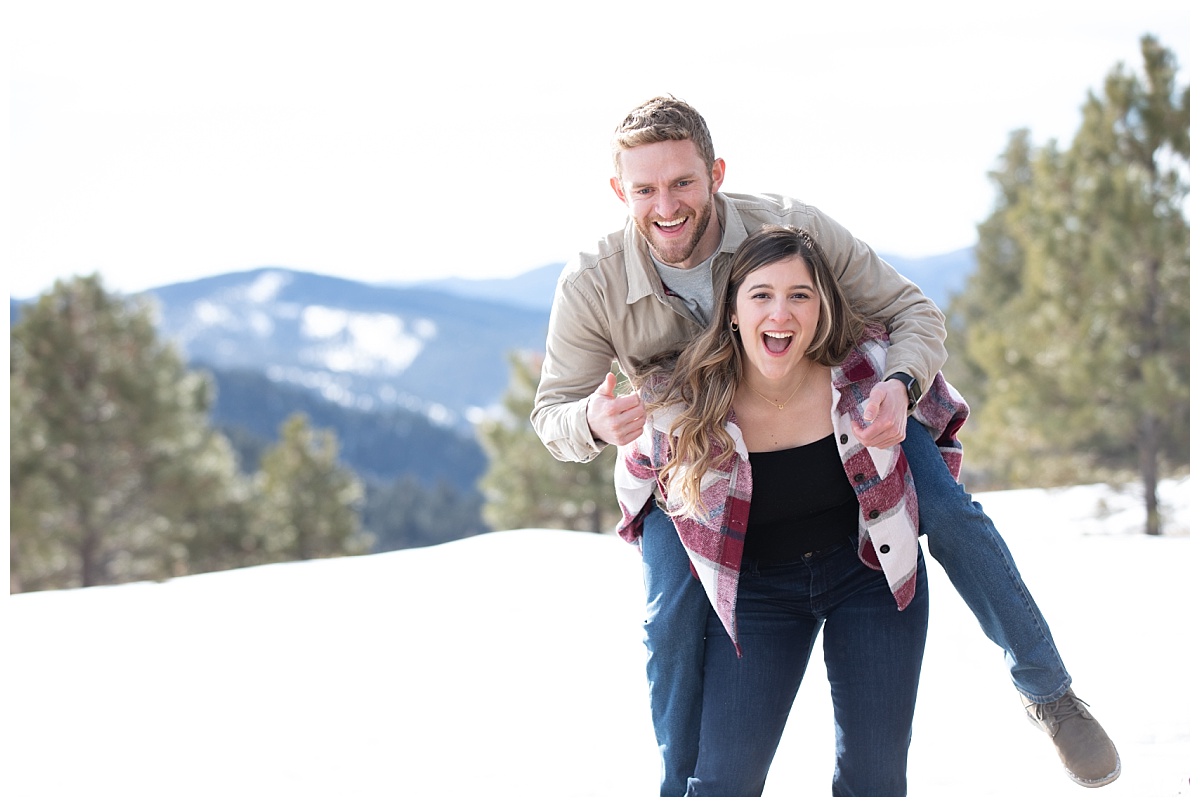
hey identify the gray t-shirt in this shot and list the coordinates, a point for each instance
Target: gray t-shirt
(694, 286)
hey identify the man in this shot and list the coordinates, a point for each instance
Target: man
(650, 287)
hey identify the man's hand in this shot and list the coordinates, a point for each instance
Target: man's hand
(614, 420)
(885, 415)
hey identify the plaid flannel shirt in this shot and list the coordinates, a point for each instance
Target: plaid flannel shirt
(888, 519)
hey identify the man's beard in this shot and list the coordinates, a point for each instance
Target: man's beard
(674, 253)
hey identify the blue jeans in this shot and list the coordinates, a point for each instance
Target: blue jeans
(961, 538)
(873, 655)
(676, 610)
(970, 549)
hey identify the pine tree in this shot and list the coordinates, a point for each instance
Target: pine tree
(524, 485)
(403, 513)
(307, 502)
(1000, 257)
(115, 474)
(1085, 359)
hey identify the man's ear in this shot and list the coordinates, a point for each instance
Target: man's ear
(718, 174)
(615, 182)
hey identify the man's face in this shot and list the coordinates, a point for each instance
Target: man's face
(669, 192)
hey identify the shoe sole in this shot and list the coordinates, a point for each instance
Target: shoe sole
(1112, 777)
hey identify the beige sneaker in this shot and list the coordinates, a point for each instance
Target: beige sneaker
(1083, 746)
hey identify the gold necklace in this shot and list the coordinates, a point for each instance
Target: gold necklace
(803, 378)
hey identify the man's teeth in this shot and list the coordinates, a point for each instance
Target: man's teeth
(674, 223)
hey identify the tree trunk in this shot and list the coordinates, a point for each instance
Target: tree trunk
(89, 564)
(1148, 459)
(1153, 342)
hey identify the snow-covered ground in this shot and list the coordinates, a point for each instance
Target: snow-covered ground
(510, 665)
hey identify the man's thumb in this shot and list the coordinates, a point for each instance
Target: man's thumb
(609, 387)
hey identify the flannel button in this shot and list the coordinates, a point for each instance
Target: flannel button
(859, 477)
(845, 439)
(883, 550)
(874, 514)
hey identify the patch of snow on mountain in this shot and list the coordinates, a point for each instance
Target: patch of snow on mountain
(267, 286)
(350, 342)
(327, 384)
(425, 329)
(206, 313)
(261, 324)
(319, 322)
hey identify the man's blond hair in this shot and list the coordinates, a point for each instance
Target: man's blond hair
(658, 120)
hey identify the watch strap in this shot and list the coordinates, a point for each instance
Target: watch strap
(911, 385)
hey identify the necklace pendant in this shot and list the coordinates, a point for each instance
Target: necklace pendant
(780, 407)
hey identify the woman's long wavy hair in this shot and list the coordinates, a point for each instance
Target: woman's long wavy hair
(704, 374)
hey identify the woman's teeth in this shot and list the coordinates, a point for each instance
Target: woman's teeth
(776, 342)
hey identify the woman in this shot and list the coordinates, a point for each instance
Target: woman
(827, 540)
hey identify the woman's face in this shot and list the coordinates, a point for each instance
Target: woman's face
(777, 311)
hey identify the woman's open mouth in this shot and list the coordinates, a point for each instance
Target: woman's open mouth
(777, 342)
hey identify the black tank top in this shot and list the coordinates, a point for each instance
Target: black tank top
(801, 502)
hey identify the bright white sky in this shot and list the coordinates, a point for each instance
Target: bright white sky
(158, 142)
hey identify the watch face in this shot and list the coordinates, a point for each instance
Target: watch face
(910, 384)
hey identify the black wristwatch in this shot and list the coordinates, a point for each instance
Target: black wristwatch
(910, 384)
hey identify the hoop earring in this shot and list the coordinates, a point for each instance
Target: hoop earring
(733, 326)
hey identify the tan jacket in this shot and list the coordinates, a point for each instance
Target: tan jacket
(612, 305)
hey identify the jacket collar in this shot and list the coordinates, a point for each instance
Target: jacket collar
(642, 278)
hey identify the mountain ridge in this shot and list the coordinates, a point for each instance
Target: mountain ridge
(939, 276)
(401, 373)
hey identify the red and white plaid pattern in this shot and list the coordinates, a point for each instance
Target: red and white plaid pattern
(880, 478)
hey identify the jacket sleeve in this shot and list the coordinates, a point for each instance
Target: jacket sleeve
(943, 411)
(635, 479)
(917, 327)
(579, 353)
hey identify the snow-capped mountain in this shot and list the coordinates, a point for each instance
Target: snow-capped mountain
(361, 346)
(437, 347)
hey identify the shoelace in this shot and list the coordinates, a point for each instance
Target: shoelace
(1059, 710)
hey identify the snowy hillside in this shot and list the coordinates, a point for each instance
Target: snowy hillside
(511, 665)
